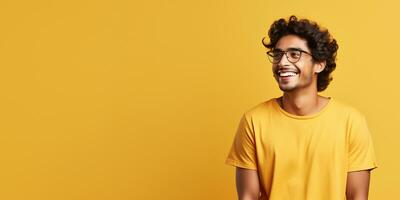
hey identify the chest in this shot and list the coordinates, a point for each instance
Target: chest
(308, 140)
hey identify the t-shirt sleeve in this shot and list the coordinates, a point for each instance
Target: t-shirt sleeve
(243, 152)
(361, 149)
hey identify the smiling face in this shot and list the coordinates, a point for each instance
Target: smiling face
(301, 74)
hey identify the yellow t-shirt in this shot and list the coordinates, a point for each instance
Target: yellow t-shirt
(303, 157)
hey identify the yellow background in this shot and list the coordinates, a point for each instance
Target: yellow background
(141, 100)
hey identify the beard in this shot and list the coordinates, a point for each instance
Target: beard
(299, 81)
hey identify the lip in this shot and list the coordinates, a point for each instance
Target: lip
(286, 78)
(279, 72)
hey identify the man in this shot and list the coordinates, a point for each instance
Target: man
(302, 145)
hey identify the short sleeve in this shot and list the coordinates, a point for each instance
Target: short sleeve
(361, 150)
(243, 152)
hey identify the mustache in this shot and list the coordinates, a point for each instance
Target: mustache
(297, 69)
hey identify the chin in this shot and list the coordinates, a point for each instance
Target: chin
(287, 88)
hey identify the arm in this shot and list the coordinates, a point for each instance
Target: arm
(247, 184)
(357, 185)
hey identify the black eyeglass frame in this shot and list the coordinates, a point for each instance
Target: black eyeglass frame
(271, 56)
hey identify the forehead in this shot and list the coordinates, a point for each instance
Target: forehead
(291, 41)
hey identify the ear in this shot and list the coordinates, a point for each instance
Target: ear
(319, 67)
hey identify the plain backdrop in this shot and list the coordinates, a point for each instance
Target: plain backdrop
(126, 100)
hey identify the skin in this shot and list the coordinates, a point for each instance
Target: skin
(247, 184)
(300, 97)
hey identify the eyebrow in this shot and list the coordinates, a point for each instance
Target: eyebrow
(291, 48)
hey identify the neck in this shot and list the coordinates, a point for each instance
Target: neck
(302, 103)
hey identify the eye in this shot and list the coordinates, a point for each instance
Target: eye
(295, 54)
(276, 54)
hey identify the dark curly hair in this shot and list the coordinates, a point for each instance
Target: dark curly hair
(323, 46)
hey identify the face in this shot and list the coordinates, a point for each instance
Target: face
(301, 74)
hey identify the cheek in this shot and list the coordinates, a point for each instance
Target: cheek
(274, 68)
(306, 75)
(305, 68)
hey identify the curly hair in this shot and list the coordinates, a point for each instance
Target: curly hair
(323, 47)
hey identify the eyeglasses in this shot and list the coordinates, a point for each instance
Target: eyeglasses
(292, 54)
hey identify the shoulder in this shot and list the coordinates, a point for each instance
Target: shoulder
(261, 110)
(347, 110)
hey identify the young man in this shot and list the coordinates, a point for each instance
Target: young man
(302, 145)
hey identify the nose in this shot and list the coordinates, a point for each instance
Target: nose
(284, 61)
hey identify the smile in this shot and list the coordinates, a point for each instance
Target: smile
(287, 74)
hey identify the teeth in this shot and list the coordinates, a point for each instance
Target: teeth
(284, 74)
